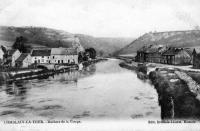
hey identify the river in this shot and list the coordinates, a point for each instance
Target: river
(101, 91)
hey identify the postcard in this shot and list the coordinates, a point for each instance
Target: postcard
(99, 65)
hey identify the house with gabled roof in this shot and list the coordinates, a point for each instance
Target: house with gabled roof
(177, 56)
(64, 55)
(11, 56)
(41, 56)
(154, 53)
(24, 60)
(151, 53)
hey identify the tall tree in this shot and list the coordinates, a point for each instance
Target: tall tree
(20, 44)
(80, 57)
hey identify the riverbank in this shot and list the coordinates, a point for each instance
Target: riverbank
(32, 73)
(178, 90)
(139, 68)
(175, 93)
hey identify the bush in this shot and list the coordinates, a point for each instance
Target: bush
(142, 68)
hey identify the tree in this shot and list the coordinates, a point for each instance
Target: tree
(20, 44)
(85, 56)
(91, 52)
(80, 57)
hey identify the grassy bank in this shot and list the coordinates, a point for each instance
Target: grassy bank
(175, 98)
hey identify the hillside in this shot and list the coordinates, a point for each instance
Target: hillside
(190, 38)
(102, 44)
(46, 37)
(38, 36)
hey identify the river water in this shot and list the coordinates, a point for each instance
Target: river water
(101, 91)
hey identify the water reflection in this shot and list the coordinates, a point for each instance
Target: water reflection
(102, 90)
(16, 88)
(19, 88)
(87, 71)
(71, 76)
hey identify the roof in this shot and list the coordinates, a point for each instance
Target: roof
(63, 51)
(143, 49)
(189, 51)
(22, 57)
(43, 52)
(153, 49)
(11, 51)
(174, 51)
(196, 49)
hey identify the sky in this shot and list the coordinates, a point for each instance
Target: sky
(103, 18)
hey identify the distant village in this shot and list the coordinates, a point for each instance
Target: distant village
(16, 57)
(169, 55)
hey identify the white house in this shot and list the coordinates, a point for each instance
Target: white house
(64, 56)
(24, 60)
(11, 57)
(41, 56)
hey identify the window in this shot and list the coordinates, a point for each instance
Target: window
(42, 56)
(53, 57)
